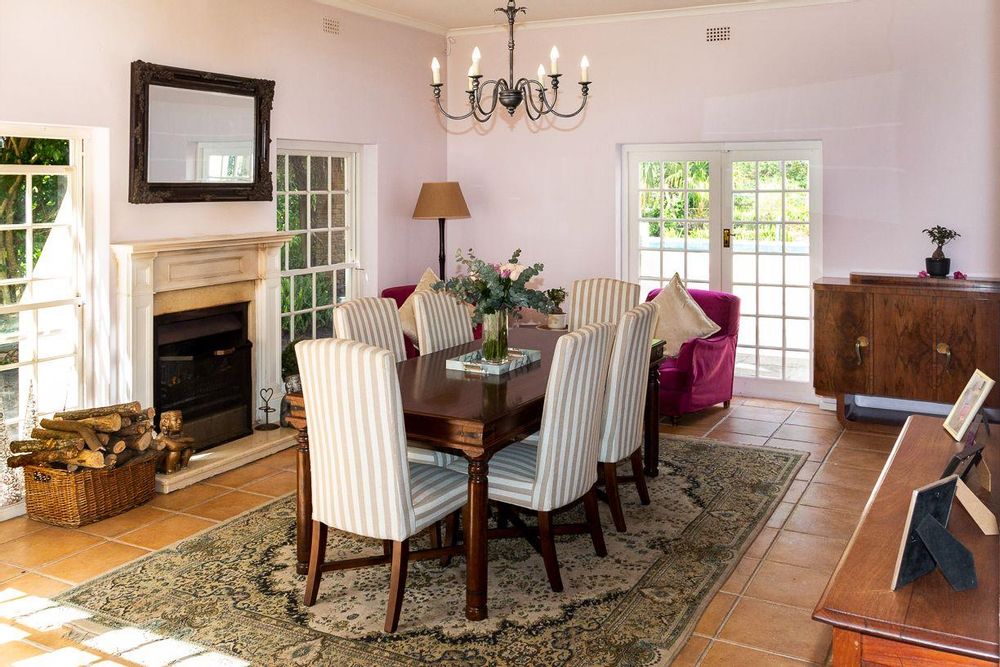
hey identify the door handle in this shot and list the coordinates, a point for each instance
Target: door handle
(945, 349)
(859, 344)
(727, 238)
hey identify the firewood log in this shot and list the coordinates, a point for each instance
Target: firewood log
(104, 423)
(117, 446)
(71, 467)
(105, 438)
(139, 443)
(109, 460)
(38, 458)
(88, 459)
(74, 427)
(150, 413)
(23, 446)
(48, 434)
(137, 428)
(125, 456)
(124, 409)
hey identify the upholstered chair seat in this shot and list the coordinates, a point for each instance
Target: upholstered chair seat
(561, 469)
(597, 300)
(361, 480)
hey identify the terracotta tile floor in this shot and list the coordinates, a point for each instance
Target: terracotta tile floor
(760, 617)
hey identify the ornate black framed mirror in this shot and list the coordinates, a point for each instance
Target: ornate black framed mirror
(198, 136)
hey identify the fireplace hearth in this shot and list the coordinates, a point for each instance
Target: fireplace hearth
(202, 367)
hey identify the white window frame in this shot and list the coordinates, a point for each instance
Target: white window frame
(720, 156)
(354, 166)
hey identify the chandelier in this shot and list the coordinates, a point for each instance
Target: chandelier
(538, 100)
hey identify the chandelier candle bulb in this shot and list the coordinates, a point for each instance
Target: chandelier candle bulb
(584, 69)
(472, 81)
(476, 57)
(436, 71)
(541, 73)
(554, 60)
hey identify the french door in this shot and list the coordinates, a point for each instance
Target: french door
(740, 218)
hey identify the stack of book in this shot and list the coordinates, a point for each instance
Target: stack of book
(296, 416)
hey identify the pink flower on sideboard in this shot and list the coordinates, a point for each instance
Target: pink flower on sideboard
(923, 274)
(960, 276)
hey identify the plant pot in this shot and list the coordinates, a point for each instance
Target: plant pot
(495, 337)
(557, 321)
(938, 268)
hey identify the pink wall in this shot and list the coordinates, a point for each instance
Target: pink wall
(67, 63)
(902, 93)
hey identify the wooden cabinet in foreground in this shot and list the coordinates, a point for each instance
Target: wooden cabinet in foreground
(903, 337)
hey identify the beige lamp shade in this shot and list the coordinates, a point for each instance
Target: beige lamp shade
(441, 200)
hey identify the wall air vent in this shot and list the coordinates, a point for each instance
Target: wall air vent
(331, 26)
(720, 34)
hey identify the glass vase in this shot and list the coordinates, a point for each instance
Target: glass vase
(495, 337)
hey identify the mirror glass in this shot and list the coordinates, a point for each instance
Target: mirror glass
(197, 136)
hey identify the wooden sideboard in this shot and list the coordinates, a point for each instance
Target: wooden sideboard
(926, 622)
(903, 337)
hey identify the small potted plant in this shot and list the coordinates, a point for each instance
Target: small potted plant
(557, 318)
(938, 265)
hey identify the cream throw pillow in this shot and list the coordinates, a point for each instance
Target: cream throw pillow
(406, 316)
(680, 317)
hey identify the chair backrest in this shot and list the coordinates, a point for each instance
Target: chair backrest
(597, 300)
(442, 321)
(372, 321)
(571, 417)
(357, 441)
(625, 396)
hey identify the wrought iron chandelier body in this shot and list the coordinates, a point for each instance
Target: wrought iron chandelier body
(538, 100)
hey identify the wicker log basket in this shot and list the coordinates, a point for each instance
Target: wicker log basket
(74, 499)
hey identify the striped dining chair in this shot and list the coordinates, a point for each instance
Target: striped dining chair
(600, 300)
(361, 480)
(624, 401)
(372, 321)
(442, 321)
(562, 469)
(375, 321)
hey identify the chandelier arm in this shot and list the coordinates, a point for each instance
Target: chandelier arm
(493, 102)
(583, 105)
(437, 98)
(534, 112)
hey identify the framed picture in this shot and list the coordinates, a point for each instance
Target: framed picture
(969, 403)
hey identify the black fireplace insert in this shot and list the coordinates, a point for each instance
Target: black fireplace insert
(203, 368)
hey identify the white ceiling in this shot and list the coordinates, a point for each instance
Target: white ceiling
(445, 15)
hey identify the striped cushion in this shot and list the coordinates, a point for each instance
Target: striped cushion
(372, 321)
(511, 473)
(600, 300)
(436, 493)
(624, 399)
(442, 321)
(568, 441)
(417, 454)
(360, 475)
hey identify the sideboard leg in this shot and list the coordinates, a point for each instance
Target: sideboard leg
(651, 420)
(846, 648)
(303, 505)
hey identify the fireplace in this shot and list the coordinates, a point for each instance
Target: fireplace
(202, 367)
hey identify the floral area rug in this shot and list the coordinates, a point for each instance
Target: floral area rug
(234, 588)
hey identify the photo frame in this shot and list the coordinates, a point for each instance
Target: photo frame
(970, 402)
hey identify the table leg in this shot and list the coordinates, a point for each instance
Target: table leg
(303, 505)
(846, 648)
(651, 419)
(475, 542)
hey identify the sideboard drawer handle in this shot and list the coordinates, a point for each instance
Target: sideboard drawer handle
(945, 349)
(860, 343)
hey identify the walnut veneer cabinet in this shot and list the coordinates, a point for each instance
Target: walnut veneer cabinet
(903, 337)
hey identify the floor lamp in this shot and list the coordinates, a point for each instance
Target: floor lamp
(441, 201)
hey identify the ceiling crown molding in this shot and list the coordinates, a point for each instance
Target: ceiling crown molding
(383, 15)
(627, 17)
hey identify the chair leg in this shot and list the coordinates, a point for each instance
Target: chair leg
(397, 583)
(675, 420)
(386, 548)
(435, 532)
(548, 544)
(317, 553)
(594, 521)
(640, 477)
(726, 404)
(610, 471)
(450, 535)
(502, 518)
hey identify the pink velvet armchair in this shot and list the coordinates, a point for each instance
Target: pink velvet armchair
(701, 375)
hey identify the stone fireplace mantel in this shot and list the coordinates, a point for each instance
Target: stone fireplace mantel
(147, 268)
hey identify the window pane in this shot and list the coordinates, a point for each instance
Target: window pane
(769, 238)
(673, 175)
(649, 204)
(697, 268)
(797, 175)
(324, 288)
(673, 262)
(744, 207)
(337, 210)
(297, 172)
(744, 176)
(770, 207)
(770, 364)
(698, 236)
(649, 234)
(647, 286)
(697, 175)
(769, 269)
(13, 190)
(650, 174)
(769, 176)
(319, 173)
(797, 207)
(319, 249)
(13, 253)
(343, 287)
(338, 253)
(797, 334)
(770, 301)
(281, 213)
(57, 335)
(337, 181)
(319, 215)
(303, 292)
(798, 301)
(673, 235)
(298, 211)
(649, 263)
(797, 239)
(32, 150)
(769, 330)
(744, 268)
(10, 338)
(746, 362)
(324, 323)
(748, 298)
(796, 270)
(698, 205)
(48, 199)
(286, 294)
(280, 173)
(303, 326)
(11, 294)
(673, 206)
(58, 385)
(797, 366)
(748, 330)
(9, 389)
(744, 237)
(297, 252)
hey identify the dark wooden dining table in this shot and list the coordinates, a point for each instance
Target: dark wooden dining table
(474, 416)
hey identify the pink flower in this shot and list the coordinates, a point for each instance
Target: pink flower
(924, 274)
(513, 271)
(505, 273)
(960, 276)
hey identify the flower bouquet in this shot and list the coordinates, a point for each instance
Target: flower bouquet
(495, 291)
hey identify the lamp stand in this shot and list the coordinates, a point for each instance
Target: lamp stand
(441, 248)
